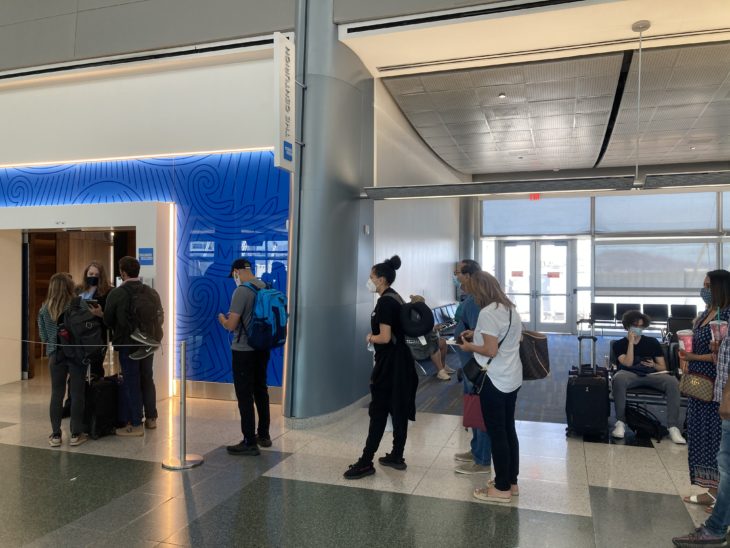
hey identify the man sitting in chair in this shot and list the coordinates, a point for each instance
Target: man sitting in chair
(641, 363)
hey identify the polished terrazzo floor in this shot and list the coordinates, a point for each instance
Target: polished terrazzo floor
(113, 491)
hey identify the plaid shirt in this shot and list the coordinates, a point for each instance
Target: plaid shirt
(723, 363)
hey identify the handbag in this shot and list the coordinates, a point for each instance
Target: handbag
(697, 386)
(534, 355)
(473, 417)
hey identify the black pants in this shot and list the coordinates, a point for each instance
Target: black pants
(498, 409)
(378, 410)
(60, 369)
(249, 380)
(147, 385)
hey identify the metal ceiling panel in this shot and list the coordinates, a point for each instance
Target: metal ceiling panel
(455, 116)
(447, 82)
(426, 119)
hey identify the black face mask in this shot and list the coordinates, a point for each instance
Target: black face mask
(93, 281)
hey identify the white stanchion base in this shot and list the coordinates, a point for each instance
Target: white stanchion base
(191, 461)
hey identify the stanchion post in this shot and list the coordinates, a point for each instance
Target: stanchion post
(185, 460)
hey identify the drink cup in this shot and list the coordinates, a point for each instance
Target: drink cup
(685, 339)
(718, 329)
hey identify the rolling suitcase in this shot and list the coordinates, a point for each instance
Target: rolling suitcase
(587, 406)
(100, 409)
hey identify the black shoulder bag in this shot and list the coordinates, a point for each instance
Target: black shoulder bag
(474, 372)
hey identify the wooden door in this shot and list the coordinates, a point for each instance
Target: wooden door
(42, 264)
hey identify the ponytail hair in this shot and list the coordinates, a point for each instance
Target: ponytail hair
(387, 269)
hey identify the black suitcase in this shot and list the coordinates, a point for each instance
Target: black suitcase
(587, 405)
(100, 409)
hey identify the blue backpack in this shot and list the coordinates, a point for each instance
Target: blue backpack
(267, 328)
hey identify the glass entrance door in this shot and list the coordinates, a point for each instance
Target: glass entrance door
(537, 278)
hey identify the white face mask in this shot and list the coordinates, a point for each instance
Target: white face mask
(237, 279)
(371, 286)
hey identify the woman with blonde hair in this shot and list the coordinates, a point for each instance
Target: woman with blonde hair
(60, 294)
(495, 344)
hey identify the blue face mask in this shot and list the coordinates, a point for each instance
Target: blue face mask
(456, 281)
(706, 295)
(637, 330)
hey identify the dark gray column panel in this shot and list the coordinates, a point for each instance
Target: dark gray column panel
(329, 365)
(467, 227)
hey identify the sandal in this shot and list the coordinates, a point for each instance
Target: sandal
(709, 509)
(697, 499)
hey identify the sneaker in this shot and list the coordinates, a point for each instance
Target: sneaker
(464, 457)
(150, 424)
(619, 430)
(492, 494)
(472, 468)
(449, 370)
(144, 339)
(442, 375)
(263, 441)
(78, 439)
(398, 463)
(142, 353)
(699, 537)
(359, 470)
(676, 436)
(130, 431)
(54, 440)
(243, 449)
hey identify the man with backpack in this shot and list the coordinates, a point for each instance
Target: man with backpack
(134, 314)
(249, 362)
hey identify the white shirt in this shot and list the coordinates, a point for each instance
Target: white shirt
(505, 371)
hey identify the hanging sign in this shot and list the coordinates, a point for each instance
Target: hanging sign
(284, 113)
(553, 274)
(517, 273)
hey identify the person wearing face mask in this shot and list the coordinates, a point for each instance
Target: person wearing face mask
(704, 426)
(95, 287)
(393, 381)
(641, 360)
(249, 365)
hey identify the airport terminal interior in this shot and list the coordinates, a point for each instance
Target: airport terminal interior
(576, 149)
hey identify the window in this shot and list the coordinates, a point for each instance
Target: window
(656, 213)
(551, 216)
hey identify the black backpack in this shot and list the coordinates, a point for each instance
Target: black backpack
(145, 310)
(416, 318)
(81, 334)
(644, 423)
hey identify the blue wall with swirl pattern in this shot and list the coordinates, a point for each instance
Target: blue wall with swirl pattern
(228, 206)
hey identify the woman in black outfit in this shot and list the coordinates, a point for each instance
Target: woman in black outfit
(394, 381)
(95, 286)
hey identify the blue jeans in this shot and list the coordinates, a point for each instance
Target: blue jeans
(131, 386)
(719, 521)
(481, 446)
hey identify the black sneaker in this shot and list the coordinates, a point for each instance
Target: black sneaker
(359, 470)
(398, 463)
(243, 449)
(142, 353)
(263, 442)
(138, 336)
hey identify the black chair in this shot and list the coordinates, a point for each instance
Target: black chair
(677, 324)
(602, 312)
(659, 313)
(623, 308)
(684, 311)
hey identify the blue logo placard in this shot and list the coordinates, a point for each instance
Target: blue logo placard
(288, 151)
(146, 256)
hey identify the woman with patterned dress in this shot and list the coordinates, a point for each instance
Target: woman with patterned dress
(704, 426)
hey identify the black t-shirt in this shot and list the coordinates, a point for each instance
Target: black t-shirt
(387, 311)
(646, 348)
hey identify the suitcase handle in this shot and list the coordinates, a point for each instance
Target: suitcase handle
(587, 338)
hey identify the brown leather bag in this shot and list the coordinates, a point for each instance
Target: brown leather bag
(697, 386)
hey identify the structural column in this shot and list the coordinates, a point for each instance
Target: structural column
(328, 365)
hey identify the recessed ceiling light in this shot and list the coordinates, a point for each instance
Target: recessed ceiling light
(502, 95)
(693, 148)
(520, 157)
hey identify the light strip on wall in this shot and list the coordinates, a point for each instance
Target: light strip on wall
(139, 157)
(172, 253)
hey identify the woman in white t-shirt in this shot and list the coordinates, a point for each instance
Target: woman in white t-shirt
(495, 343)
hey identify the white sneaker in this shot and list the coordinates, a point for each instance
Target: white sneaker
(443, 376)
(619, 430)
(676, 436)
